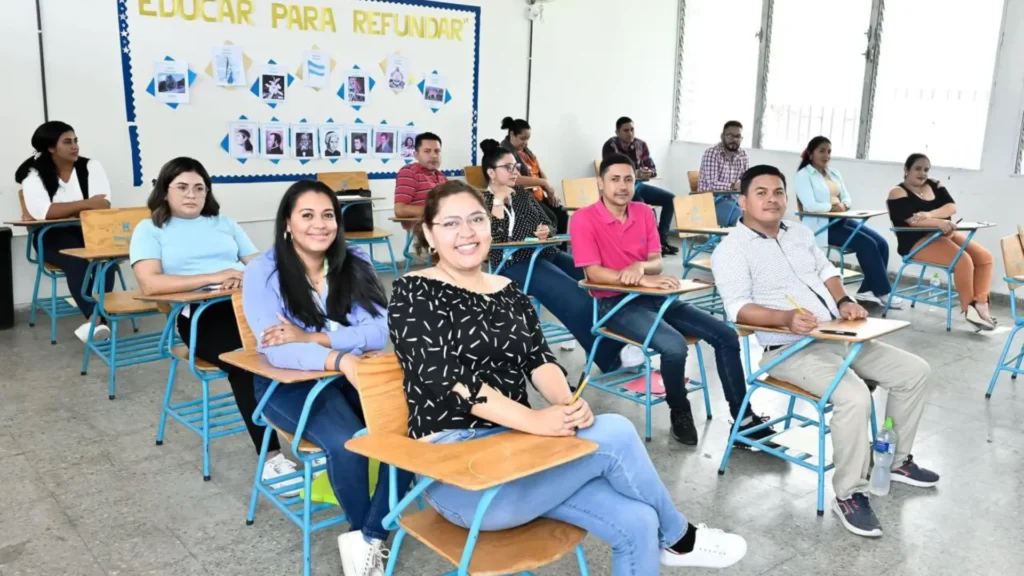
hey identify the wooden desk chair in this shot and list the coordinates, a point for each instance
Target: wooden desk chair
(694, 178)
(376, 237)
(554, 333)
(107, 235)
(342, 182)
(299, 510)
(54, 307)
(623, 382)
(483, 465)
(475, 177)
(597, 168)
(849, 275)
(580, 193)
(409, 225)
(1012, 248)
(698, 228)
(780, 444)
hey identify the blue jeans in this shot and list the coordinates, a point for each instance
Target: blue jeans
(334, 418)
(727, 209)
(872, 252)
(654, 196)
(634, 320)
(555, 282)
(614, 493)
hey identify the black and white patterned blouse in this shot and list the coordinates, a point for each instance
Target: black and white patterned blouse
(445, 335)
(529, 215)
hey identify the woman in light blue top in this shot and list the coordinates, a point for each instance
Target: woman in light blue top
(316, 304)
(820, 188)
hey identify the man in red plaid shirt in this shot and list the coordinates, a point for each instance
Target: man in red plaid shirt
(720, 170)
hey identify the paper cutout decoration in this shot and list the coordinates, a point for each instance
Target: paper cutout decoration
(274, 140)
(355, 88)
(358, 140)
(242, 140)
(171, 94)
(396, 69)
(434, 91)
(272, 84)
(407, 143)
(303, 142)
(384, 141)
(332, 140)
(315, 69)
(228, 66)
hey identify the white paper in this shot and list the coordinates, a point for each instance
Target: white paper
(407, 142)
(358, 141)
(304, 140)
(357, 87)
(397, 72)
(384, 138)
(332, 140)
(228, 66)
(434, 90)
(274, 140)
(316, 68)
(273, 83)
(243, 139)
(171, 81)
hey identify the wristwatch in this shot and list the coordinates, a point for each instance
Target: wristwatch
(843, 300)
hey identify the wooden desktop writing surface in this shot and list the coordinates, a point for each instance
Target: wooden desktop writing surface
(97, 253)
(530, 243)
(186, 297)
(866, 329)
(476, 464)
(403, 219)
(962, 226)
(707, 230)
(255, 363)
(685, 286)
(30, 223)
(849, 214)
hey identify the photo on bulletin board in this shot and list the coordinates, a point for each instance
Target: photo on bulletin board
(244, 142)
(332, 140)
(433, 90)
(229, 66)
(303, 142)
(316, 68)
(171, 80)
(274, 140)
(407, 143)
(357, 85)
(397, 72)
(358, 141)
(384, 138)
(273, 83)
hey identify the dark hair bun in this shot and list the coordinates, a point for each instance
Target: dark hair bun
(489, 145)
(506, 123)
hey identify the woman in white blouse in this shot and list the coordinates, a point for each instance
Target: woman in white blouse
(59, 183)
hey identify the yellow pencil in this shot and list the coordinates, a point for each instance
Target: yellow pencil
(793, 302)
(579, 391)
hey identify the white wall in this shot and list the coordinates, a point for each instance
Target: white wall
(83, 70)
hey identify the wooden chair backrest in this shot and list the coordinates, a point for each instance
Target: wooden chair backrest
(248, 338)
(475, 177)
(111, 228)
(1013, 257)
(382, 394)
(580, 192)
(25, 216)
(695, 211)
(694, 177)
(342, 181)
(597, 168)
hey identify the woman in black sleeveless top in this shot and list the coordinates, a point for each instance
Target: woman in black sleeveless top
(923, 203)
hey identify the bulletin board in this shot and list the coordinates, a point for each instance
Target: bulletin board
(414, 64)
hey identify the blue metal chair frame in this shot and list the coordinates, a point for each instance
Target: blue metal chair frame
(408, 254)
(844, 249)
(553, 332)
(298, 509)
(391, 523)
(56, 307)
(208, 416)
(712, 302)
(380, 267)
(823, 406)
(116, 352)
(613, 381)
(927, 294)
(1003, 364)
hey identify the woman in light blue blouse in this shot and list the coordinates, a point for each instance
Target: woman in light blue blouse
(316, 304)
(820, 188)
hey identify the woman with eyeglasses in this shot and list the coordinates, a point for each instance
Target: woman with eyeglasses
(186, 245)
(531, 177)
(469, 344)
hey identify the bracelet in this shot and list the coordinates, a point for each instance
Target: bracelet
(844, 300)
(337, 362)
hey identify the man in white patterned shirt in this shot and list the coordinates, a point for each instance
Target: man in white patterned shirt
(720, 169)
(766, 260)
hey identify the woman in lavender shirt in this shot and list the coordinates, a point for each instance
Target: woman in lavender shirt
(316, 304)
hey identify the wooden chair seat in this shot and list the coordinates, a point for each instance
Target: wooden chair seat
(182, 353)
(125, 303)
(703, 263)
(51, 268)
(690, 340)
(510, 551)
(688, 235)
(789, 387)
(304, 445)
(376, 234)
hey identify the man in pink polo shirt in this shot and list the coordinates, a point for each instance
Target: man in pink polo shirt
(616, 241)
(415, 180)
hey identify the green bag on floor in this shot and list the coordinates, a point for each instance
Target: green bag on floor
(322, 491)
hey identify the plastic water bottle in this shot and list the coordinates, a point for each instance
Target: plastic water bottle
(884, 451)
(936, 286)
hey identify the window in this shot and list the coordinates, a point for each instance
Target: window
(935, 68)
(1020, 150)
(719, 71)
(815, 74)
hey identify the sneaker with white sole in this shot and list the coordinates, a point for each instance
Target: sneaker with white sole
(711, 549)
(863, 297)
(912, 474)
(631, 356)
(281, 466)
(101, 333)
(857, 516)
(359, 557)
(569, 345)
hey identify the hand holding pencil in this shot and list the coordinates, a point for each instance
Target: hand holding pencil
(800, 321)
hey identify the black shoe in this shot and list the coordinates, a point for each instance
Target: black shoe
(760, 434)
(683, 429)
(668, 249)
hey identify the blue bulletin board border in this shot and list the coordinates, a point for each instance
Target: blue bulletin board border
(133, 129)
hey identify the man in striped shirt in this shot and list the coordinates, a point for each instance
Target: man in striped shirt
(415, 180)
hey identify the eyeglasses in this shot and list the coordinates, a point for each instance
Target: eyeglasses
(477, 222)
(512, 167)
(197, 190)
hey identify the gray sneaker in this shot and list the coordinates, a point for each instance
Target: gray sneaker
(912, 474)
(856, 514)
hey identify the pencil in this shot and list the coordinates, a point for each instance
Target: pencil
(579, 391)
(793, 302)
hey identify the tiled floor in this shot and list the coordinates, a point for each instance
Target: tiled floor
(84, 490)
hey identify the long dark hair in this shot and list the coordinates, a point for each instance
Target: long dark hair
(46, 136)
(492, 153)
(248, 143)
(157, 202)
(433, 203)
(805, 156)
(351, 280)
(514, 126)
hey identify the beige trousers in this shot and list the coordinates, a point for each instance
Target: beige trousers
(901, 373)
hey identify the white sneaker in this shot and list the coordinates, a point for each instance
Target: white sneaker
(631, 356)
(359, 557)
(319, 462)
(101, 333)
(870, 297)
(712, 549)
(281, 466)
(897, 303)
(569, 345)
